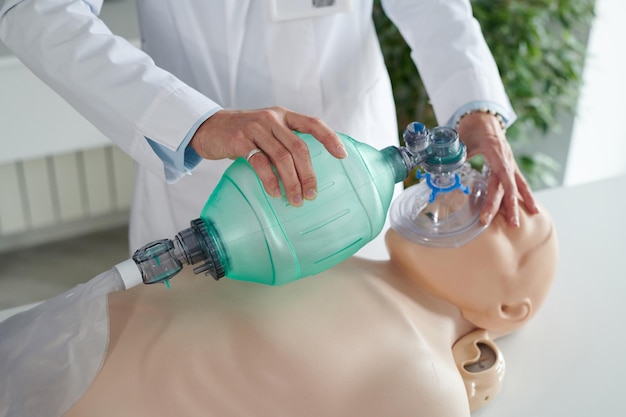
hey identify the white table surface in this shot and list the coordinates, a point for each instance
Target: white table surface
(570, 360)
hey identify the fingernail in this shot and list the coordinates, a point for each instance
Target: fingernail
(341, 151)
(487, 218)
(515, 220)
(310, 194)
(276, 193)
(297, 201)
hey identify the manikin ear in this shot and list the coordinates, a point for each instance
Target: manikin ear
(517, 312)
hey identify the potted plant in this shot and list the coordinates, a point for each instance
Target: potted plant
(539, 47)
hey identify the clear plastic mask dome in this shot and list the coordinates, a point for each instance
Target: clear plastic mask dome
(441, 219)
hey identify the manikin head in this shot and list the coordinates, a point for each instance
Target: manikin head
(498, 279)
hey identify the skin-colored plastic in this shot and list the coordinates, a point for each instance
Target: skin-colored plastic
(497, 280)
(404, 337)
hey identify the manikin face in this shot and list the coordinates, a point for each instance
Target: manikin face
(498, 279)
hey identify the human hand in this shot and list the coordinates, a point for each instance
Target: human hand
(483, 134)
(235, 133)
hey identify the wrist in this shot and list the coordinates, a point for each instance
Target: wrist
(482, 113)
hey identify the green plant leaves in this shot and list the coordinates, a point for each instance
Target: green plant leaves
(539, 46)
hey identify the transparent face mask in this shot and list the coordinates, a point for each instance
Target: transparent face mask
(443, 210)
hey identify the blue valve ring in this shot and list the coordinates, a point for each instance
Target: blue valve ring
(437, 190)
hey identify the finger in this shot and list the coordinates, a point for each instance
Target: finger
(294, 166)
(525, 192)
(263, 168)
(287, 172)
(494, 198)
(320, 131)
(472, 152)
(300, 158)
(276, 154)
(286, 169)
(506, 176)
(510, 202)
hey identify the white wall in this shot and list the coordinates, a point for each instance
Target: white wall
(59, 176)
(35, 121)
(598, 144)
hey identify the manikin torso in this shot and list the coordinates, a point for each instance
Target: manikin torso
(357, 337)
(364, 338)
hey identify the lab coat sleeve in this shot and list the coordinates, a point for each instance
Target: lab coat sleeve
(451, 55)
(184, 159)
(115, 85)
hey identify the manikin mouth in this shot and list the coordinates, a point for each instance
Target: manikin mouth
(450, 218)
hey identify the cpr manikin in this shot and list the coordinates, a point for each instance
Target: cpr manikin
(409, 336)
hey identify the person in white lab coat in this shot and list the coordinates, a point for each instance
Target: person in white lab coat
(218, 79)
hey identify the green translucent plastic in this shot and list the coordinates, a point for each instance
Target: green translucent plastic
(266, 240)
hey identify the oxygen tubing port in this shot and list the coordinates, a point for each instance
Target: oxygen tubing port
(417, 139)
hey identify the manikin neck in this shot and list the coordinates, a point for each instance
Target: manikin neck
(445, 318)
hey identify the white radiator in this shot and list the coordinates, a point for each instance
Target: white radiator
(59, 176)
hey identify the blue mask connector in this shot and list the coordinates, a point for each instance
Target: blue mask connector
(442, 183)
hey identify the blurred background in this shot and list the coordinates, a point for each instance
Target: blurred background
(65, 191)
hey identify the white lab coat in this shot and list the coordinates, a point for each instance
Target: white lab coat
(201, 55)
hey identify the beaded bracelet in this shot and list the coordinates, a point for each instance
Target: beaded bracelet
(483, 110)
